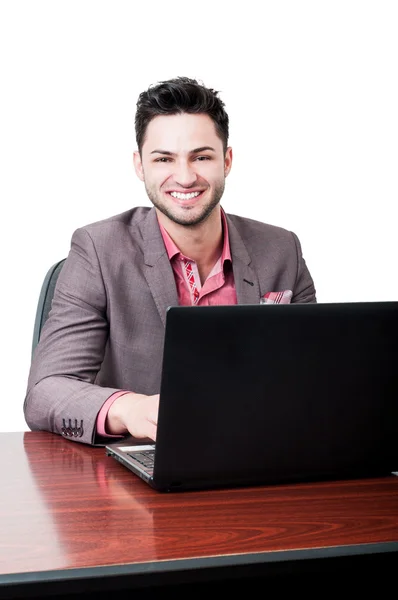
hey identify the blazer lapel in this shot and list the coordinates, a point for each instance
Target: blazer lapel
(246, 280)
(157, 269)
(160, 277)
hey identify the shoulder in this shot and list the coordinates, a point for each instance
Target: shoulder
(108, 240)
(253, 231)
(128, 219)
(107, 245)
(119, 228)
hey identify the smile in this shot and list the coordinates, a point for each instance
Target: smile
(181, 196)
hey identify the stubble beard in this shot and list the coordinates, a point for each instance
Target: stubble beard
(188, 218)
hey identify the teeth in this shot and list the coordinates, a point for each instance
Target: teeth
(184, 196)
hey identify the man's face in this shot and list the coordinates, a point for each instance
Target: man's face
(183, 166)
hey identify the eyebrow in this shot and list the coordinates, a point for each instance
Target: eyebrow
(194, 151)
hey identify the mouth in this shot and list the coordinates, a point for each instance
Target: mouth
(185, 198)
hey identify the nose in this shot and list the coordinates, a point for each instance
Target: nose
(184, 174)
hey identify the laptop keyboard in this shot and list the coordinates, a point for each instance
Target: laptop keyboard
(145, 458)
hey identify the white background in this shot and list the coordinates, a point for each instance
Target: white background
(311, 88)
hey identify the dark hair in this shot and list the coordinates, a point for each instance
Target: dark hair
(180, 95)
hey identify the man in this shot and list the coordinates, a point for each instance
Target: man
(96, 371)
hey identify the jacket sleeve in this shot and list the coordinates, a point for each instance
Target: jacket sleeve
(62, 396)
(304, 289)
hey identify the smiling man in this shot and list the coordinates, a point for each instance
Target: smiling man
(183, 164)
(98, 362)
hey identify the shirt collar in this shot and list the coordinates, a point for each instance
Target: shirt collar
(172, 250)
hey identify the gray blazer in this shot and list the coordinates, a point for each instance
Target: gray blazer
(106, 327)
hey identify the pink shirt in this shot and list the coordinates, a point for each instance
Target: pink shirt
(218, 288)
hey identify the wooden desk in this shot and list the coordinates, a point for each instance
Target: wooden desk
(73, 519)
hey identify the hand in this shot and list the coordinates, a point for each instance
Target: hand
(136, 414)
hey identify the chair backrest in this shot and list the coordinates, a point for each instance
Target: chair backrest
(45, 300)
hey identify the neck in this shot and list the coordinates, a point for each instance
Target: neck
(202, 243)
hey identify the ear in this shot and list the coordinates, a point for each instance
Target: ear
(228, 161)
(138, 165)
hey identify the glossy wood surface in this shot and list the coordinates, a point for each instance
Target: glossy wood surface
(65, 505)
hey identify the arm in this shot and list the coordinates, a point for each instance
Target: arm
(62, 394)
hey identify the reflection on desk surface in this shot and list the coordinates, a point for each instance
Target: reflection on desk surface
(65, 505)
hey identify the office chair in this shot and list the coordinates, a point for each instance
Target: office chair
(45, 300)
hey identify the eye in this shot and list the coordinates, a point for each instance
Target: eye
(163, 159)
(202, 158)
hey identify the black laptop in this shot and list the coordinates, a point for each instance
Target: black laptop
(271, 394)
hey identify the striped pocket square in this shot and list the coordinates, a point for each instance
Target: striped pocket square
(283, 297)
